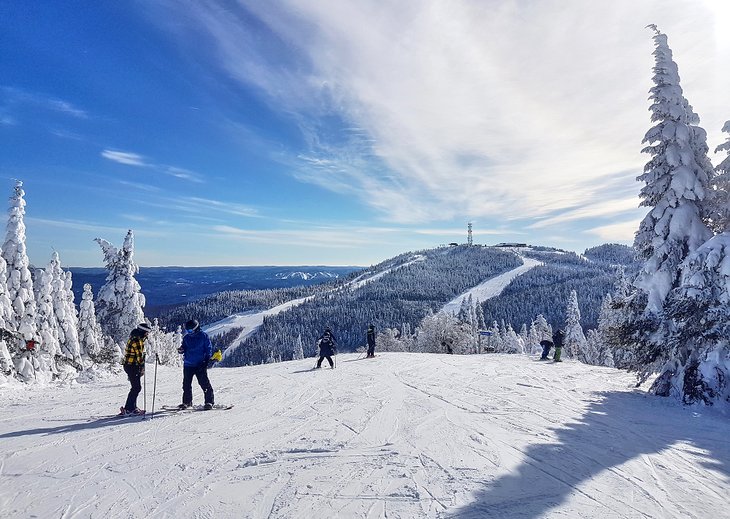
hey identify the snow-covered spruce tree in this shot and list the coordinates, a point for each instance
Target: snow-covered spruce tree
(164, 345)
(479, 313)
(19, 280)
(440, 332)
(544, 330)
(720, 202)
(45, 319)
(696, 363)
(64, 310)
(90, 336)
(575, 341)
(7, 367)
(120, 301)
(298, 352)
(676, 184)
(388, 340)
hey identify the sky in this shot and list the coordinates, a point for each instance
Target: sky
(338, 132)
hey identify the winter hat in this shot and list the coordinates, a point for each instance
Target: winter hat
(144, 327)
(192, 325)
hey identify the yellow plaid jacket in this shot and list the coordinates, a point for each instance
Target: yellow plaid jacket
(134, 352)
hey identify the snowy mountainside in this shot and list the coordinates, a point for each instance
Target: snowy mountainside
(400, 436)
(399, 292)
(545, 289)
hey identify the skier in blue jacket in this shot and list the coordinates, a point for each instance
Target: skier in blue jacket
(196, 349)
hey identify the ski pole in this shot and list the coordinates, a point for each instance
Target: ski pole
(154, 388)
(144, 400)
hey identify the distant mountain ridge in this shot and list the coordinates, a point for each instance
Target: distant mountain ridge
(164, 286)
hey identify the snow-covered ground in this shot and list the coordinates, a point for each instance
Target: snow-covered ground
(398, 436)
(491, 287)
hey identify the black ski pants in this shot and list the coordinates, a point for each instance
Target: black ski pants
(134, 374)
(201, 373)
(329, 359)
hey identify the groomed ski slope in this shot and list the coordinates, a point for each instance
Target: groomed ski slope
(490, 288)
(398, 436)
(249, 322)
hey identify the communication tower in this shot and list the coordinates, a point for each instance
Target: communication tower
(468, 237)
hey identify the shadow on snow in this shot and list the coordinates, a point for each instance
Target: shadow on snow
(618, 427)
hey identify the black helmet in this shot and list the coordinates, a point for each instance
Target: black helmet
(192, 325)
(144, 327)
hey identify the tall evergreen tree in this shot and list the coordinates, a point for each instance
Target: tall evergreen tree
(720, 207)
(7, 367)
(694, 365)
(20, 282)
(90, 336)
(676, 183)
(575, 340)
(120, 301)
(64, 310)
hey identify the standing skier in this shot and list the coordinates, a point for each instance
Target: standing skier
(558, 341)
(371, 341)
(196, 349)
(546, 345)
(327, 347)
(134, 367)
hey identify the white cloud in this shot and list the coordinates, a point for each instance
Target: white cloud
(16, 95)
(618, 232)
(135, 159)
(466, 109)
(124, 157)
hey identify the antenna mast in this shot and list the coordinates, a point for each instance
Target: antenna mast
(469, 241)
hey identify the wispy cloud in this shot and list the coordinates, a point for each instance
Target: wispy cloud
(453, 109)
(135, 159)
(618, 232)
(17, 96)
(125, 157)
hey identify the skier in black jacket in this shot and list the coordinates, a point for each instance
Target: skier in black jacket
(371, 341)
(327, 347)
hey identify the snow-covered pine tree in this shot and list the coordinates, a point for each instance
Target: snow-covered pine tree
(464, 315)
(696, 360)
(479, 312)
(7, 367)
(533, 339)
(600, 339)
(164, 345)
(90, 336)
(676, 184)
(120, 301)
(575, 341)
(298, 353)
(46, 323)
(720, 201)
(544, 330)
(20, 282)
(64, 310)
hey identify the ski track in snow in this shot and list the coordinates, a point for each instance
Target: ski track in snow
(399, 436)
(491, 287)
(250, 321)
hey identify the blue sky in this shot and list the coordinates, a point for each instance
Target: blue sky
(338, 132)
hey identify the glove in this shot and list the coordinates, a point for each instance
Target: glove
(141, 372)
(217, 356)
(180, 350)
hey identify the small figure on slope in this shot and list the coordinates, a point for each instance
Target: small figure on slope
(371, 341)
(546, 345)
(134, 367)
(196, 349)
(327, 345)
(558, 341)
